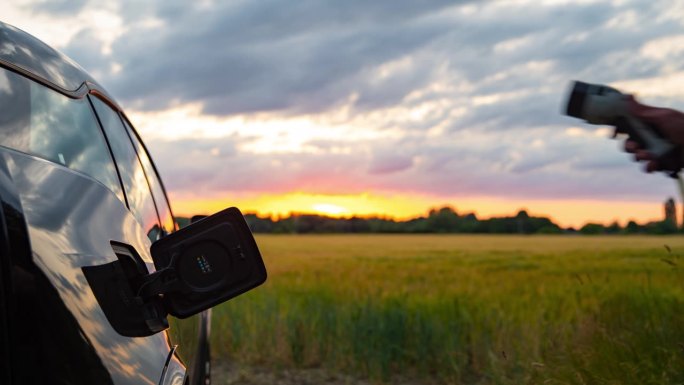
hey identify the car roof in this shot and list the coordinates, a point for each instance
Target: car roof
(23, 53)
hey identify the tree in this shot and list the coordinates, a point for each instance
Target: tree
(632, 228)
(444, 220)
(592, 229)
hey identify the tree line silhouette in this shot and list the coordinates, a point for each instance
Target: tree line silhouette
(442, 220)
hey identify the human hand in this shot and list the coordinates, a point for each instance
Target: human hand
(669, 123)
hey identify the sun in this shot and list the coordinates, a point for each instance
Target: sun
(330, 209)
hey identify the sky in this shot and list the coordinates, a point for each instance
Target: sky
(385, 107)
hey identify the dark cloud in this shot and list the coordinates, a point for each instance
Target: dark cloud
(266, 56)
(309, 56)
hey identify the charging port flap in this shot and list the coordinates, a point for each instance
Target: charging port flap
(206, 263)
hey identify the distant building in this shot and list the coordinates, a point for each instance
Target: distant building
(671, 212)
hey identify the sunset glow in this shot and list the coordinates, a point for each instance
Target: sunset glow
(330, 210)
(564, 212)
(400, 207)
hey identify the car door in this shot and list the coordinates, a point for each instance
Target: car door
(66, 207)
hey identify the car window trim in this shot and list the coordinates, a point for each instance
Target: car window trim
(127, 122)
(78, 93)
(84, 89)
(111, 153)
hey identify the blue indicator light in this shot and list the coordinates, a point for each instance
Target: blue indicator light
(203, 264)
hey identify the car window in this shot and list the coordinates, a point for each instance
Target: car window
(163, 207)
(133, 177)
(43, 122)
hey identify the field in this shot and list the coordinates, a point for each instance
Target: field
(464, 309)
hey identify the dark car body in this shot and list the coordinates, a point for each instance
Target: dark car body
(77, 189)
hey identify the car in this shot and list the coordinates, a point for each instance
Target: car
(98, 285)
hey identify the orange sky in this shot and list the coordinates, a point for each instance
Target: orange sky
(564, 212)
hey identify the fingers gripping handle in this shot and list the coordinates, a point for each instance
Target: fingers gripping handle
(646, 136)
(650, 140)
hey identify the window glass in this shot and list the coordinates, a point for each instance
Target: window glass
(43, 122)
(135, 184)
(163, 207)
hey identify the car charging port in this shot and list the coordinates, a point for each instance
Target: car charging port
(117, 286)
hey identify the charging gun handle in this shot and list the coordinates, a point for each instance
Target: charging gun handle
(667, 154)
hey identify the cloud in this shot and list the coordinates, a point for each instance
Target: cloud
(244, 57)
(509, 164)
(389, 163)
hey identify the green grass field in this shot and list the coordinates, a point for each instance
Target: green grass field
(472, 309)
